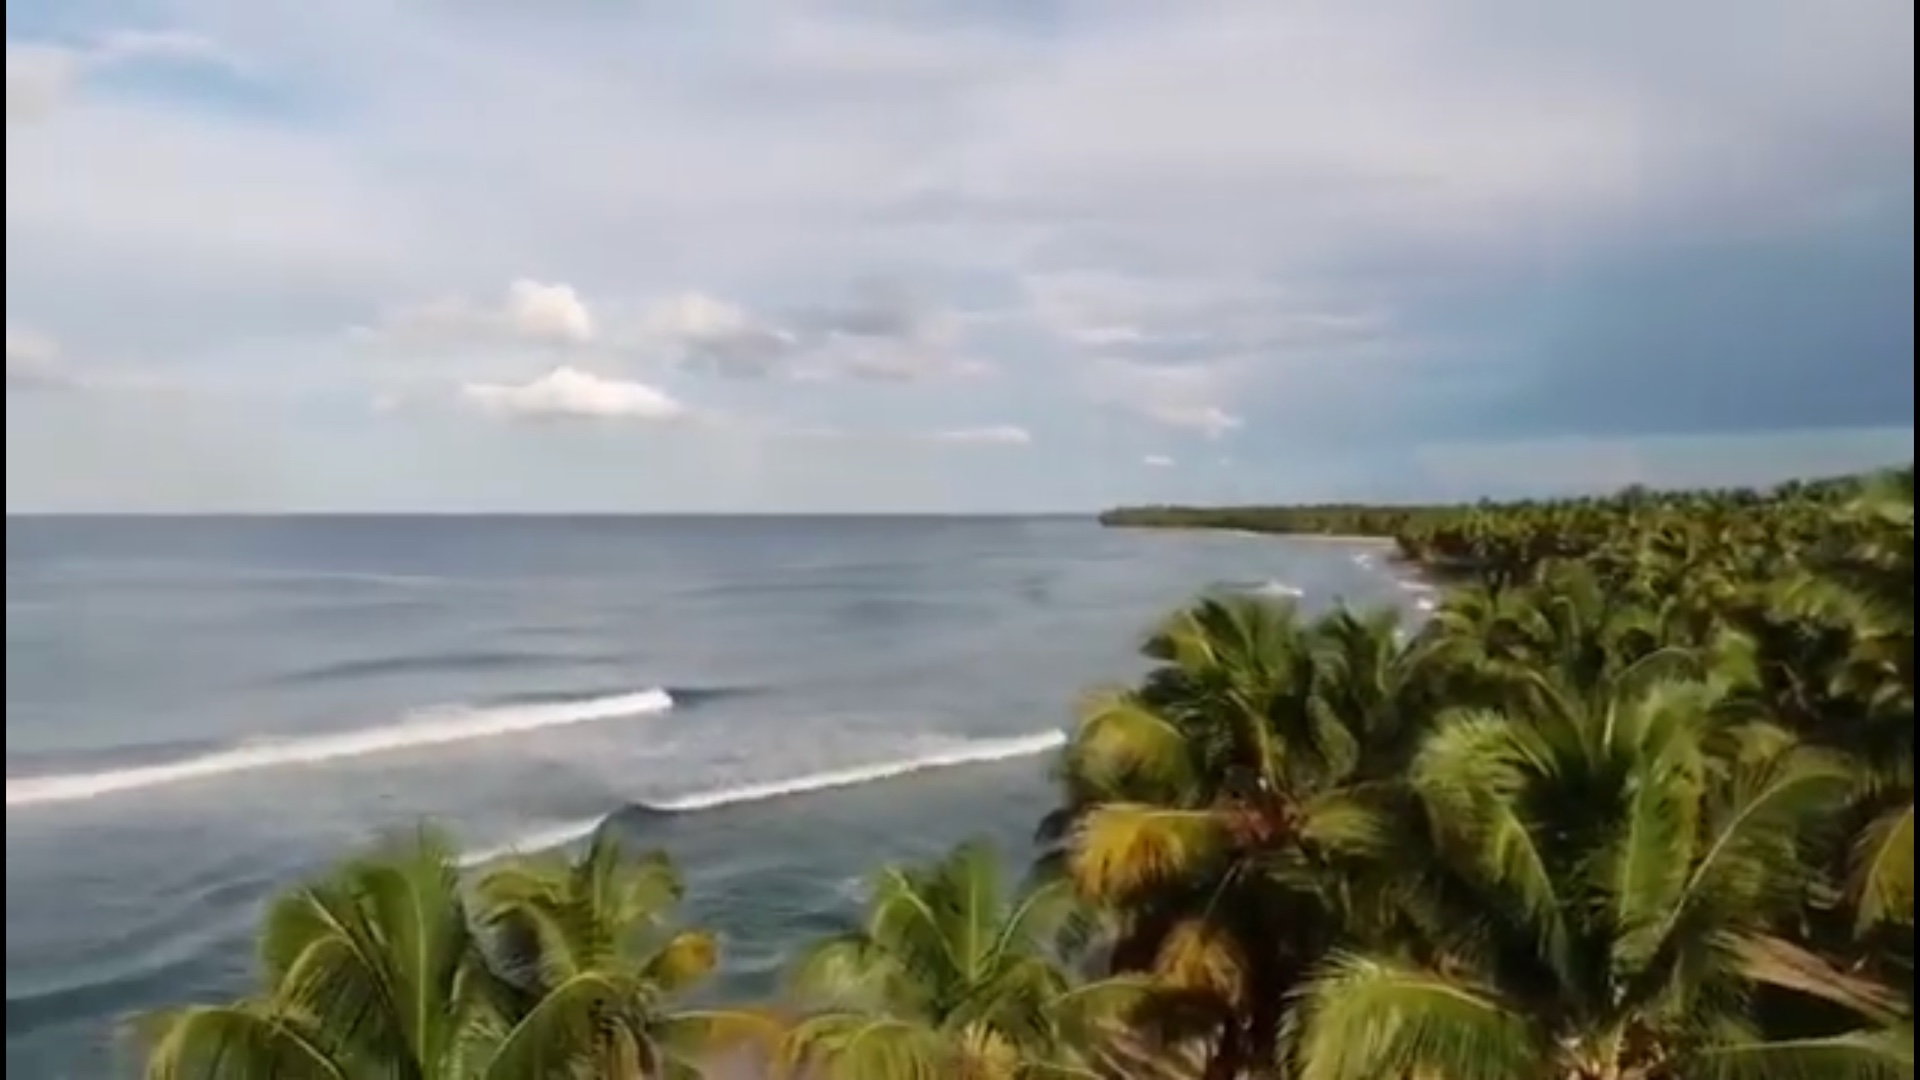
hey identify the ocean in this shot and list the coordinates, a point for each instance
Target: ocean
(203, 710)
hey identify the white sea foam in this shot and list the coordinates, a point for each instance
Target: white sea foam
(1425, 603)
(1276, 588)
(1413, 586)
(430, 728)
(972, 752)
(544, 839)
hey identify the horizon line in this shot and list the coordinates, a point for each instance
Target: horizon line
(483, 513)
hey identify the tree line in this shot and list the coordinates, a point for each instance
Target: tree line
(1636, 803)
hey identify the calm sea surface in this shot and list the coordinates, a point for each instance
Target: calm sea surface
(201, 710)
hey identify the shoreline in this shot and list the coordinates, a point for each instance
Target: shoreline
(1321, 538)
(1356, 539)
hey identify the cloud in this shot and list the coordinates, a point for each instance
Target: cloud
(569, 393)
(1579, 464)
(1209, 420)
(717, 336)
(41, 76)
(882, 334)
(1310, 231)
(529, 313)
(999, 435)
(1157, 461)
(1176, 320)
(989, 436)
(33, 361)
(881, 338)
(1184, 398)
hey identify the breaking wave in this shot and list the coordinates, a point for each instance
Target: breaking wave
(967, 752)
(971, 752)
(434, 727)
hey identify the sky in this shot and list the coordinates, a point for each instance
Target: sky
(948, 255)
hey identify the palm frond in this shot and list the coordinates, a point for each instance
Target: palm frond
(1365, 1019)
(1123, 849)
(1202, 958)
(1749, 858)
(1122, 745)
(1471, 773)
(861, 1046)
(573, 1024)
(1881, 879)
(1774, 961)
(850, 970)
(1885, 1054)
(234, 1042)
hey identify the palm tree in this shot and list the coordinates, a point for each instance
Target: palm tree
(369, 972)
(1856, 597)
(1622, 857)
(1217, 816)
(947, 978)
(590, 968)
(376, 970)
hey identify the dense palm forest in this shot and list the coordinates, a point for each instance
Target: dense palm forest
(1635, 804)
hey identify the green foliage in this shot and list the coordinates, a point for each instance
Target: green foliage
(391, 967)
(1635, 804)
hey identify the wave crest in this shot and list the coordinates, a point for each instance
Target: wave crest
(430, 728)
(971, 752)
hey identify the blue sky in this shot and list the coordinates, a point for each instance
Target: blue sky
(950, 256)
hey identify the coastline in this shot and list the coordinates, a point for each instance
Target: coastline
(1362, 658)
(1356, 540)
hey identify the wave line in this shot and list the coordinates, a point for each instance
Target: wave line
(974, 752)
(430, 728)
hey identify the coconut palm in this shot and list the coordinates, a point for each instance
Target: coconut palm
(949, 976)
(1625, 855)
(1857, 594)
(1217, 817)
(592, 968)
(369, 971)
(376, 970)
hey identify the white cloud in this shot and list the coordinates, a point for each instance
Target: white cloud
(1209, 420)
(529, 313)
(33, 360)
(1185, 398)
(998, 435)
(1157, 461)
(129, 46)
(883, 335)
(712, 333)
(548, 313)
(1175, 350)
(991, 435)
(1218, 218)
(40, 76)
(567, 392)
(850, 356)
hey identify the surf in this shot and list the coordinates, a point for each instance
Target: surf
(434, 727)
(970, 752)
(966, 752)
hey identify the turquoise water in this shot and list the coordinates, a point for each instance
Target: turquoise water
(199, 711)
